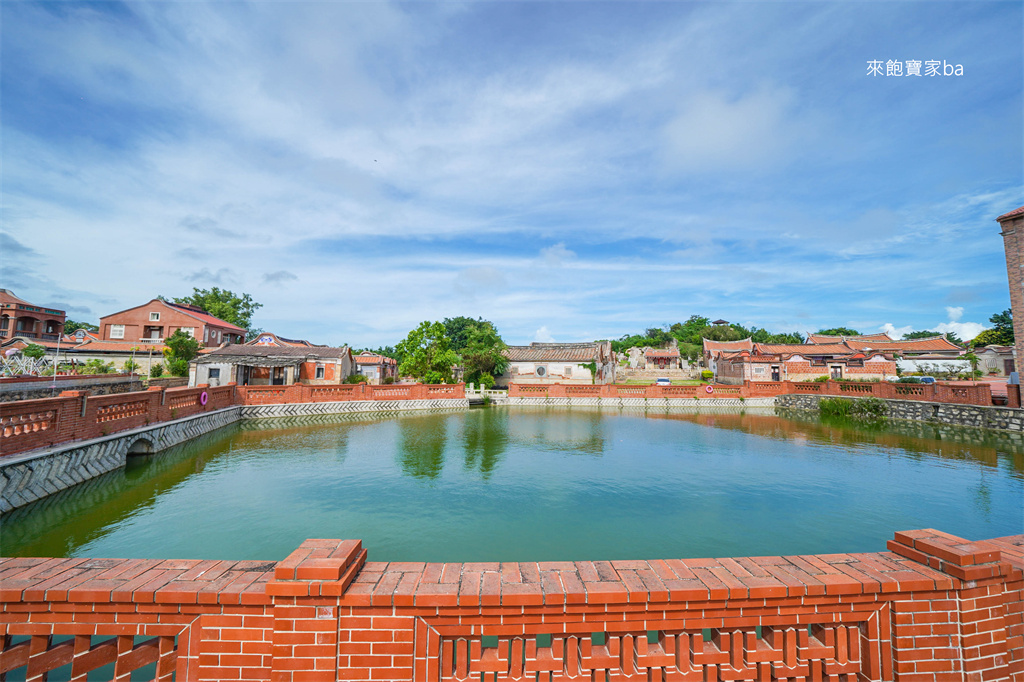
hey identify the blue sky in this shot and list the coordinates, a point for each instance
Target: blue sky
(569, 170)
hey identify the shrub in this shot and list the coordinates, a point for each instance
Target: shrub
(156, 370)
(822, 379)
(706, 375)
(486, 380)
(388, 380)
(865, 409)
(178, 367)
(130, 366)
(356, 379)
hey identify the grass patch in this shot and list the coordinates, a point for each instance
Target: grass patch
(863, 409)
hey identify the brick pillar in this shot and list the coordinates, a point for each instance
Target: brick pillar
(965, 628)
(306, 588)
(1012, 225)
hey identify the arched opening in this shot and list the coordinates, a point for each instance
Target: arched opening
(142, 446)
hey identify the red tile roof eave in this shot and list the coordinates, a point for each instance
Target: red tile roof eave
(1012, 214)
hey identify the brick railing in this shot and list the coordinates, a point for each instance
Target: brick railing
(75, 415)
(976, 394)
(933, 608)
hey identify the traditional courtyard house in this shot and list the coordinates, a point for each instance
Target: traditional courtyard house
(662, 358)
(714, 349)
(18, 317)
(998, 360)
(802, 362)
(376, 368)
(271, 365)
(931, 345)
(158, 319)
(271, 339)
(564, 363)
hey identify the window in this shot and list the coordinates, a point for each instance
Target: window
(215, 373)
(319, 371)
(568, 370)
(117, 331)
(154, 317)
(191, 331)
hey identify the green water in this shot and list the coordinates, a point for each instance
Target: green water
(538, 484)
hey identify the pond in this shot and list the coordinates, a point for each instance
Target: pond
(531, 484)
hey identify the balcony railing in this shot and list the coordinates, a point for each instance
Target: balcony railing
(149, 339)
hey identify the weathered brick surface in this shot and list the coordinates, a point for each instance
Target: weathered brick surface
(1013, 244)
(934, 608)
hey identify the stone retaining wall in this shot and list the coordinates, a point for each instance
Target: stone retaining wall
(1001, 418)
(45, 387)
(30, 476)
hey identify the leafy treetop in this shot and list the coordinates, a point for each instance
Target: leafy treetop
(224, 304)
(839, 331)
(34, 351)
(1000, 335)
(70, 327)
(427, 354)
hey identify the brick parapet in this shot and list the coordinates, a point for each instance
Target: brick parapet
(29, 425)
(1012, 230)
(935, 608)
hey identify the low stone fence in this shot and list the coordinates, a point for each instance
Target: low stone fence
(933, 608)
(33, 388)
(1001, 418)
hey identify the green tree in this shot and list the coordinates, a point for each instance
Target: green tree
(427, 354)
(224, 304)
(70, 327)
(920, 335)
(459, 330)
(34, 351)
(975, 361)
(839, 331)
(482, 355)
(1001, 333)
(181, 348)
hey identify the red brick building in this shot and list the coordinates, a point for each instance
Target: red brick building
(802, 362)
(154, 321)
(18, 317)
(376, 368)
(662, 358)
(1012, 225)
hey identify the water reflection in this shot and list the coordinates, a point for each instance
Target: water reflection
(59, 524)
(485, 440)
(421, 444)
(574, 431)
(915, 439)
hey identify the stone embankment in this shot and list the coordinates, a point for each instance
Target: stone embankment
(1001, 418)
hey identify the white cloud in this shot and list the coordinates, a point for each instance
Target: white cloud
(896, 332)
(542, 335)
(555, 256)
(955, 313)
(717, 132)
(965, 330)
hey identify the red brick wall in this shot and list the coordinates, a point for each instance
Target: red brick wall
(1013, 245)
(75, 415)
(934, 608)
